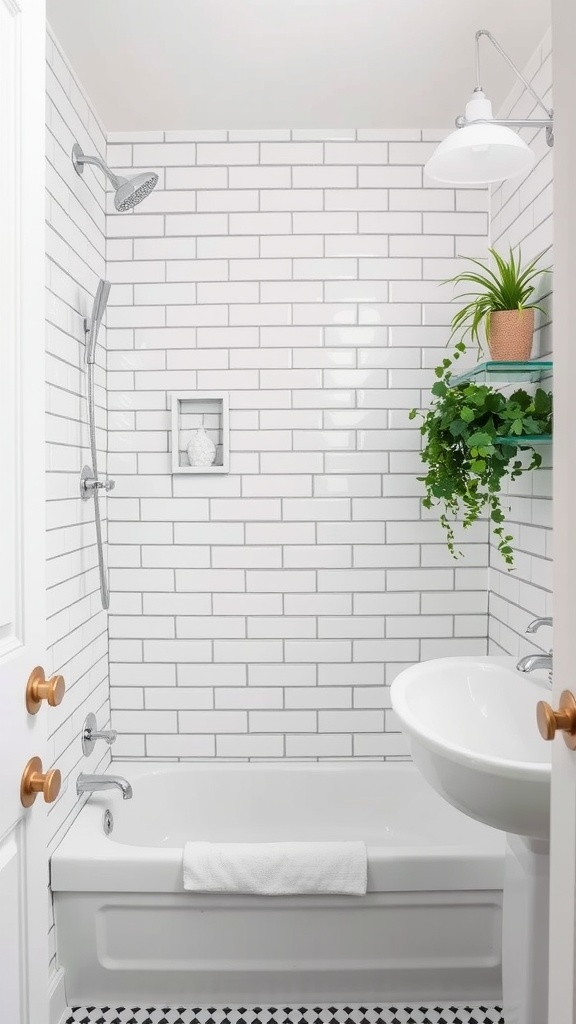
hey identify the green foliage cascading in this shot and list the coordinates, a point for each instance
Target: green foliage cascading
(465, 452)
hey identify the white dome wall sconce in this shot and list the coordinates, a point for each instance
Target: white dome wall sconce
(484, 150)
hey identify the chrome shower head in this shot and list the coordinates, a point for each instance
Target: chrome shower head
(129, 191)
(132, 191)
(92, 325)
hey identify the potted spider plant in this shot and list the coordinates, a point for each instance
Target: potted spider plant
(501, 303)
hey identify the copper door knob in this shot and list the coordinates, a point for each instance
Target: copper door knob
(35, 781)
(564, 720)
(38, 688)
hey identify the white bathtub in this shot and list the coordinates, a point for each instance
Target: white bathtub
(429, 926)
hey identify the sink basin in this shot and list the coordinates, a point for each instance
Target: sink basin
(472, 726)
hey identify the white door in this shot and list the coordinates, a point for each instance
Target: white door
(563, 837)
(23, 858)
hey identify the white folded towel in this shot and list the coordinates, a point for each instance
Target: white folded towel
(276, 869)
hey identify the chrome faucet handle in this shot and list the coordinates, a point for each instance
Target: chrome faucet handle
(89, 484)
(534, 626)
(91, 733)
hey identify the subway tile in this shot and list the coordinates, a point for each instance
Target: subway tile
(274, 581)
(334, 721)
(180, 746)
(260, 223)
(259, 269)
(285, 721)
(281, 675)
(313, 556)
(249, 557)
(247, 604)
(212, 721)
(164, 248)
(209, 580)
(277, 486)
(248, 650)
(259, 177)
(319, 746)
(274, 246)
(176, 604)
(356, 199)
(210, 627)
(211, 675)
(250, 746)
(292, 199)
(316, 509)
(356, 245)
(227, 200)
(145, 721)
(177, 650)
(179, 698)
(318, 650)
(291, 152)
(270, 627)
(356, 153)
(324, 177)
(386, 650)
(196, 177)
(248, 698)
(220, 153)
(254, 509)
(351, 675)
(162, 155)
(228, 248)
(324, 223)
(318, 697)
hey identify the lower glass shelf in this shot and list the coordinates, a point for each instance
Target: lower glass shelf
(531, 439)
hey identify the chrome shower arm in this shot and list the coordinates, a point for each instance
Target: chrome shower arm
(484, 32)
(79, 159)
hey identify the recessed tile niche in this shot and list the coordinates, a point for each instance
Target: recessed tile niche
(208, 409)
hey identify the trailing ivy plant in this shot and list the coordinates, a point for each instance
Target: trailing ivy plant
(465, 452)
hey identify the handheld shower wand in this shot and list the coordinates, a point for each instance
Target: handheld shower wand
(92, 324)
(90, 484)
(128, 191)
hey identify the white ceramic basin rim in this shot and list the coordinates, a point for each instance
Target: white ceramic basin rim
(479, 712)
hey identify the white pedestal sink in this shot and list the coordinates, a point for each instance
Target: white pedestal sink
(472, 726)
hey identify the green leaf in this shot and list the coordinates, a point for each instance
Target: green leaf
(480, 437)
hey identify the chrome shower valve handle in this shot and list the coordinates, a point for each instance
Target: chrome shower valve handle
(91, 733)
(89, 484)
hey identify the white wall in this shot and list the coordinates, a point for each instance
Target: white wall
(265, 613)
(522, 215)
(75, 243)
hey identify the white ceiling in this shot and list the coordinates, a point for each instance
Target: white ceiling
(183, 64)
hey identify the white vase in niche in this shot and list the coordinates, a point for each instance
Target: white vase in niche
(201, 450)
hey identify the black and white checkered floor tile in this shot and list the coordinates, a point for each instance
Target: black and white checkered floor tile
(472, 1013)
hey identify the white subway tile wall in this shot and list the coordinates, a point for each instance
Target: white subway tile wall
(263, 614)
(75, 245)
(522, 215)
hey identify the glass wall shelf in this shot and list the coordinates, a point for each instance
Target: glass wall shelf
(499, 370)
(531, 439)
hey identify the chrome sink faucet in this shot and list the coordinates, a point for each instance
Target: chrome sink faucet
(95, 783)
(532, 662)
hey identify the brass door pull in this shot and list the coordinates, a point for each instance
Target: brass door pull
(38, 688)
(35, 781)
(564, 720)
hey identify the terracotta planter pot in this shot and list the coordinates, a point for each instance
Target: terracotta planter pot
(510, 334)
